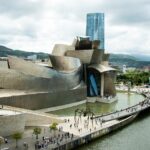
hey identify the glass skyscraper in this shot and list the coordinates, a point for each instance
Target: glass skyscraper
(95, 28)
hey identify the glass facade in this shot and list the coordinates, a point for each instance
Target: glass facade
(95, 28)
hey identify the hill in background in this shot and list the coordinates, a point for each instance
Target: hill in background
(115, 59)
(4, 52)
(128, 60)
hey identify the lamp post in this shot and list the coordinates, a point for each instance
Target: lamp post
(129, 86)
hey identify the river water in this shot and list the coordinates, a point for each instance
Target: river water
(124, 100)
(135, 136)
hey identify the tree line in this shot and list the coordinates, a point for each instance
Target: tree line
(135, 77)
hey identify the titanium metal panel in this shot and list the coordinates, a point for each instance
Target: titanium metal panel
(60, 49)
(65, 64)
(87, 56)
(13, 79)
(29, 68)
(109, 86)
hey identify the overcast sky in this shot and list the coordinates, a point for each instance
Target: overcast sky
(36, 25)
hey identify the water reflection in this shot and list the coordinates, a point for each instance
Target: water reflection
(124, 100)
(129, 99)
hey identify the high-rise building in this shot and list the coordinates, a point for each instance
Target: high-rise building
(95, 28)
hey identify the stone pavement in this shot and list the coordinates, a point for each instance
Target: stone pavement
(76, 129)
(83, 125)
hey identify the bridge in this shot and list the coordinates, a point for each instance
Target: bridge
(127, 111)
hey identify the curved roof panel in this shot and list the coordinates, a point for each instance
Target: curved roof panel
(101, 68)
(60, 49)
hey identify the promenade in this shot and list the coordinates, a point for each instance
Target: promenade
(68, 132)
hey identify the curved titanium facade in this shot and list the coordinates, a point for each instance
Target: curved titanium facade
(35, 72)
(65, 64)
(44, 87)
(12, 79)
(29, 68)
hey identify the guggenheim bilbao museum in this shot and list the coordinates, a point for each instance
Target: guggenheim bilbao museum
(75, 72)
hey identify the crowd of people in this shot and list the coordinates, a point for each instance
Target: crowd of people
(76, 127)
(54, 139)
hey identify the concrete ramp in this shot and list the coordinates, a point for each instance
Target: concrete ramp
(34, 118)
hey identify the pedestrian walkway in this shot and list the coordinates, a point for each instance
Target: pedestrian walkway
(127, 111)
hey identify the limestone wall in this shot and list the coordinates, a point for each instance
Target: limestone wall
(11, 124)
(46, 99)
(3, 64)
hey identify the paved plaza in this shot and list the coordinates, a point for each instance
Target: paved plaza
(53, 139)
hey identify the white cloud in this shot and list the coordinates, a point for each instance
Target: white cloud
(128, 40)
(36, 25)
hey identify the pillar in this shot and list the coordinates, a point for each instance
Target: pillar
(102, 84)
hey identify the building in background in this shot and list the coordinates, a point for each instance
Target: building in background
(32, 57)
(124, 69)
(95, 28)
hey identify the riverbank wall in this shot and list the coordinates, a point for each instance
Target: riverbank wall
(84, 139)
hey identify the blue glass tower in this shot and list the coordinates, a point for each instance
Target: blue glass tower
(95, 28)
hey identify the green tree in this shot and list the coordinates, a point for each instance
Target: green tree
(135, 77)
(17, 136)
(37, 131)
(53, 127)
